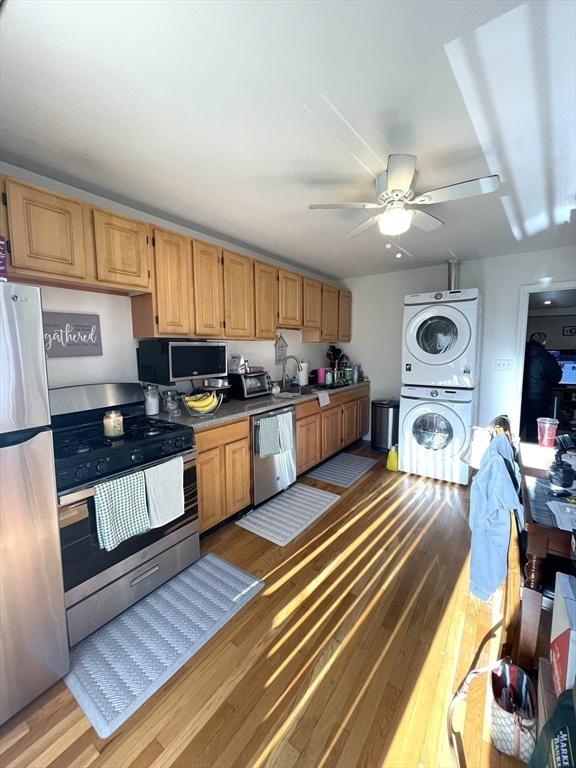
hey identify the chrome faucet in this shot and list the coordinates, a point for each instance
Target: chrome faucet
(284, 361)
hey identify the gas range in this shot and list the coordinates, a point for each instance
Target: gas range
(83, 454)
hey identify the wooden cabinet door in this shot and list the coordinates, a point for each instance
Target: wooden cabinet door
(173, 270)
(266, 300)
(46, 231)
(208, 290)
(121, 250)
(308, 443)
(210, 473)
(237, 475)
(349, 422)
(238, 295)
(331, 431)
(289, 299)
(345, 316)
(329, 313)
(363, 416)
(311, 303)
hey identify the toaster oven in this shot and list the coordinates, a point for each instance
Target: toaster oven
(247, 385)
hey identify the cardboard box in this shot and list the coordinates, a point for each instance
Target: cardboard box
(546, 695)
(563, 634)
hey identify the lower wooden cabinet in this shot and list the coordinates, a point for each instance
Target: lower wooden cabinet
(237, 468)
(331, 431)
(308, 442)
(223, 470)
(363, 416)
(350, 422)
(209, 470)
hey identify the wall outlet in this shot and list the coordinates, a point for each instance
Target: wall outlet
(503, 364)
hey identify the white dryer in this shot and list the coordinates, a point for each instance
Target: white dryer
(441, 337)
(435, 428)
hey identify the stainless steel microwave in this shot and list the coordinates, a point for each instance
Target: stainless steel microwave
(165, 361)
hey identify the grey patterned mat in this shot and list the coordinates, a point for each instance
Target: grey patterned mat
(115, 670)
(343, 470)
(285, 516)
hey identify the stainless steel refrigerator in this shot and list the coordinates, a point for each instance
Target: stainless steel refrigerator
(33, 639)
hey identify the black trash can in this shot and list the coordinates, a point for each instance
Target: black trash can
(385, 417)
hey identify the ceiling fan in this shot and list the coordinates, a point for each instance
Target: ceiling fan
(395, 198)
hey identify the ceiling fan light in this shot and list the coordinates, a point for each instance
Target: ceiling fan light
(395, 220)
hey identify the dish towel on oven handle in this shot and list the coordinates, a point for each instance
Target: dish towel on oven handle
(165, 491)
(121, 510)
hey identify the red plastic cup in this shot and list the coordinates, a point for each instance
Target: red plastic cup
(546, 431)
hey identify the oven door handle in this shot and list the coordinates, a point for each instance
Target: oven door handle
(144, 575)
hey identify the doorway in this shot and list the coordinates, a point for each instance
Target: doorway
(547, 337)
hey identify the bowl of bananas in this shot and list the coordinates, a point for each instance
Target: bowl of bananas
(204, 404)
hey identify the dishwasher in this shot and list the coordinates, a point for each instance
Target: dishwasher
(273, 473)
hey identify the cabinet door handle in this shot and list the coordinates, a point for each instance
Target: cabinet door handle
(144, 575)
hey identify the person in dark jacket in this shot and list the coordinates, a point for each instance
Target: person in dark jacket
(541, 374)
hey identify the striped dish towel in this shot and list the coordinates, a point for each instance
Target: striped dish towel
(121, 510)
(269, 437)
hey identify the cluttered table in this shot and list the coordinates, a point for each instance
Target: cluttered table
(548, 522)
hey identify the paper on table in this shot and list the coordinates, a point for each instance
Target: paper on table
(323, 398)
(565, 515)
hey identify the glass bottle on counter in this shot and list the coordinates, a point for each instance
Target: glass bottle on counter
(151, 399)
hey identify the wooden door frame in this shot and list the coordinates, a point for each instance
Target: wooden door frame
(525, 292)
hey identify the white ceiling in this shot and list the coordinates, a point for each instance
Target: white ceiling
(234, 116)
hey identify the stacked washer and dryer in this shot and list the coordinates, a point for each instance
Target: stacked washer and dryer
(440, 377)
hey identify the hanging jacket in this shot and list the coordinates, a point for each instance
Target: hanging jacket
(541, 372)
(494, 493)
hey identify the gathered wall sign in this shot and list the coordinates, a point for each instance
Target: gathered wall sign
(70, 334)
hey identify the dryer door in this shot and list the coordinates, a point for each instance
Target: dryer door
(438, 335)
(433, 430)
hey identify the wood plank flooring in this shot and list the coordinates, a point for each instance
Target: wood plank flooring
(348, 657)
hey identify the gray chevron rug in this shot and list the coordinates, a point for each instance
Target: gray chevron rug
(343, 470)
(120, 666)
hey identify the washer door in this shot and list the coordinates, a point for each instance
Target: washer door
(438, 335)
(434, 430)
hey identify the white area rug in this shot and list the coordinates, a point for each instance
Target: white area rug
(287, 515)
(116, 669)
(343, 470)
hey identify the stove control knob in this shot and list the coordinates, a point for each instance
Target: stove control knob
(166, 446)
(101, 466)
(179, 443)
(81, 472)
(136, 456)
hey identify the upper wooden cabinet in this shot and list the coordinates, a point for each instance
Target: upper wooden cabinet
(121, 250)
(173, 273)
(289, 299)
(311, 303)
(208, 290)
(47, 231)
(345, 316)
(265, 300)
(330, 303)
(238, 295)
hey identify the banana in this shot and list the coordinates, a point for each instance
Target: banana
(202, 403)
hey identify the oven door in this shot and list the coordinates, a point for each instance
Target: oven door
(86, 567)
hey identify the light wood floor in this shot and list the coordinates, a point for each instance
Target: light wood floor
(348, 657)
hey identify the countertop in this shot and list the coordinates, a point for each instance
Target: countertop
(235, 410)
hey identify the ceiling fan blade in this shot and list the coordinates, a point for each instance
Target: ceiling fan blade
(401, 170)
(317, 206)
(364, 226)
(459, 191)
(425, 221)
